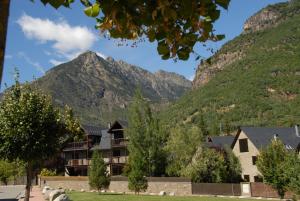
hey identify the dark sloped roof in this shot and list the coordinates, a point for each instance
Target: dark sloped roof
(262, 136)
(92, 130)
(118, 124)
(105, 142)
(220, 141)
(123, 123)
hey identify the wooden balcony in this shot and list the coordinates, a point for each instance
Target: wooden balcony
(77, 146)
(78, 162)
(119, 159)
(120, 142)
(86, 162)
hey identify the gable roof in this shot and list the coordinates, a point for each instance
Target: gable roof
(262, 136)
(105, 142)
(118, 124)
(220, 141)
(92, 130)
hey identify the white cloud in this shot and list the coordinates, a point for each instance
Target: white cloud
(101, 55)
(67, 39)
(8, 56)
(55, 62)
(35, 64)
(191, 78)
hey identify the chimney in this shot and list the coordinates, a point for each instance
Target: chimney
(297, 130)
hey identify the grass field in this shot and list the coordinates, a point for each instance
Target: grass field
(79, 196)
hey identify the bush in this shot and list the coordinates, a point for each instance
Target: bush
(46, 172)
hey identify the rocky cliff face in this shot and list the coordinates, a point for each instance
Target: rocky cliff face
(264, 19)
(100, 89)
(232, 52)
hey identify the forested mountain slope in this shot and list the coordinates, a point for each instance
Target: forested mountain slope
(252, 80)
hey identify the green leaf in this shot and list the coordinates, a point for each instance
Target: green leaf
(223, 3)
(92, 11)
(163, 48)
(183, 54)
(56, 3)
(220, 37)
(151, 35)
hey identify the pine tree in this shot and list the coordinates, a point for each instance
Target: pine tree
(98, 175)
(137, 180)
(146, 155)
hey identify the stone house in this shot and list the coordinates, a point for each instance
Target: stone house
(250, 140)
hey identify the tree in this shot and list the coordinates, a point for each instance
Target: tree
(137, 180)
(146, 154)
(272, 165)
(292, 167)
(182, 144)
(207, 166)
(233, 167)
(176, 26)
(98, 175)
(31, 129)
(6, 171)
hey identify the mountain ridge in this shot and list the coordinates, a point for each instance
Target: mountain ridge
(100, 90)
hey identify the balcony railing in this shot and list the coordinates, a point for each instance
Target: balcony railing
(78, 162)
(120, 142)
(77, 145)
(119, 159)
(86, 162)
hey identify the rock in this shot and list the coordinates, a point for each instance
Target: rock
(46, 188)
(103, 191)
(54, 194)
(82, 190)
(162, 193)
(62, 197)
(47, 194)
(172, 194)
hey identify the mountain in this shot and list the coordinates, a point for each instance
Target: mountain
(99, 90)
(253, 79)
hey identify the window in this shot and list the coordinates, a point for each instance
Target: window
(254, 159)
(117, 152)
(243, 145)
(246, 178)
(258, 179)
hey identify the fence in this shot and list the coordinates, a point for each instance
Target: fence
(176, 185)
(216, 189)
(263, 190)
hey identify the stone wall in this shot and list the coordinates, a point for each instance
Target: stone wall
(178, 186)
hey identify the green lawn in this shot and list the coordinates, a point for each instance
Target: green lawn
(79, 196)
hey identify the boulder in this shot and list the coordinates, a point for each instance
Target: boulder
(62, 197)
(46, 188)
(162, 193)
(172, 194)
(103, 191)
(82, 190)
(54, 194)
(47, 194)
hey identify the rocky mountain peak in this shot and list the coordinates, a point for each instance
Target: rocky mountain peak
(266, 19)
(271, 16)
(98, 89)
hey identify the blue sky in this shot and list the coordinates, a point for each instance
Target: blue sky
(39, 37)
